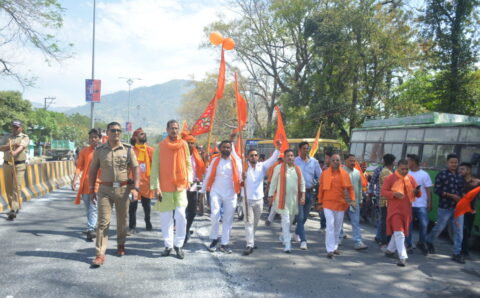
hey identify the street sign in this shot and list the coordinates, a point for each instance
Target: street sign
(92, 90)
(128, 126)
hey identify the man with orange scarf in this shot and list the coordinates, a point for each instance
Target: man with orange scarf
(144, 155)
(401, 190)
(170, 178)
(335, 187)
(198, 170)
(288, 190)
(223, 182)
(83, 165)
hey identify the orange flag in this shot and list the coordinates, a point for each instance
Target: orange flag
(221, 77)
(364, 179)
(314, 148)
(241, 108)
(185, 127)
(280, 134)
(464, 205)
(204, 123)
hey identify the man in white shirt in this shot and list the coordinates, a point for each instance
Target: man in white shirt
(223, 182)
(422, 205)
(253, 178)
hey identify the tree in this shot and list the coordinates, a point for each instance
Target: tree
(29, 23)
(13, 107)
(451, 32)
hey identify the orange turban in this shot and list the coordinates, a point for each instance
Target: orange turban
(137, 132)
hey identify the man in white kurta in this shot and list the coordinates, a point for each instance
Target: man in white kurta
(294, 193)
(253, 178)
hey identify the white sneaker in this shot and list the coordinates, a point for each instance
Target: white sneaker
(296, 238)
(303, 245)
(359, 245)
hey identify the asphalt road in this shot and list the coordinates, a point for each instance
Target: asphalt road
(44, 254)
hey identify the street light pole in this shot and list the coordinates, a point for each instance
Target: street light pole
(129, 81)
(92, 104)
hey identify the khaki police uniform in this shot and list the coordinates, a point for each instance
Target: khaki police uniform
(114, 164)
(8, 168)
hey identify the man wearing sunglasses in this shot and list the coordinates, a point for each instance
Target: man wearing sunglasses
(253, 178)
(115, 160)
(14, 167)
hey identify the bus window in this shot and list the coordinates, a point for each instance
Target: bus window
(397, 135)
(415, 134)
(357, 150)
(443, 134)
(470, 135)
(375, 135)
(395, 149)
(373, 152)
(435, 156)
(442, 152)
(466, 153)
(412, 149)
(359, 136)
(429, 156)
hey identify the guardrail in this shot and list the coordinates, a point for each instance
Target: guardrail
(40, 179)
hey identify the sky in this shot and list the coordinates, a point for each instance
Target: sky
(155, 40)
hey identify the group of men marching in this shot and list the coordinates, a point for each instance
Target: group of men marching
(176, 174)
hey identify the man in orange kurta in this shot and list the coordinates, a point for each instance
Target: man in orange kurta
(83, 165)
(335, 188)
(170, 178)
(144, 155)
(400, 189)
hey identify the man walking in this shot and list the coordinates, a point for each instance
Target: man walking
(253, 177)
(223, 182)
(449, 188)
(400, 189)
(144, 154)
(115, 160)
(386, 170)
(15, 155)
(170, 178)
(83, 166)
(422, 205)
(288, 187)
(334, 184)
(311, 173)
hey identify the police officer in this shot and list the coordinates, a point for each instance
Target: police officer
(115, 159)
(14, 146)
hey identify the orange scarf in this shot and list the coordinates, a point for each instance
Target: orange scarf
(327, 178)
(362, 176)
(283, 184)
(213, 174)
(180, 156)
(464, 205)
(402, 183)
(199, 164)
(84, 179)
(143, 156)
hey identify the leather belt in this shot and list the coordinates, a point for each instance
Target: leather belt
(114, 184)
(17, 162)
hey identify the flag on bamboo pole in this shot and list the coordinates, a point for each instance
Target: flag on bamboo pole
(280, 134)
(314, 148)
(221, 77)
(242, 110)
(204, 123)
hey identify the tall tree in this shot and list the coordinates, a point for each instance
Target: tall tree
(451, 30)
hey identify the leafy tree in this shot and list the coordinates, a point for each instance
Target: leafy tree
(12, 107)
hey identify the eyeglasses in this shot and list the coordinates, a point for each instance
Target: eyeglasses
(115, 130)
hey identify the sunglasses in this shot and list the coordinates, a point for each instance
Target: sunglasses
(115, 130)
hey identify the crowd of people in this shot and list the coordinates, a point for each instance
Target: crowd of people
(178, 175)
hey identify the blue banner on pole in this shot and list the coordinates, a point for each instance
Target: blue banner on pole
(92, 90)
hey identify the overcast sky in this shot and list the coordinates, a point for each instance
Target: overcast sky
(151, 39)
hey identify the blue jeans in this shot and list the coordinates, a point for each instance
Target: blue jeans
(421, 214)
(444, 217)
(382, 226)
(355, 222)
(91, 210)
(302, 216)
(323, 220)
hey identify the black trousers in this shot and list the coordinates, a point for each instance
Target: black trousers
(191, 210)
(132, 213)
(468, 220)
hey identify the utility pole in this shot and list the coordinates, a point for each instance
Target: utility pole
(92, 104)
(49, 100)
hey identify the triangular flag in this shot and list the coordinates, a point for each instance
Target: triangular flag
(221, 77)
(204, 123)
(314, 148)
(464, 205)
(242, 109)
(280, 134)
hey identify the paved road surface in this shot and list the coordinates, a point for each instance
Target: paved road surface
(44, 254)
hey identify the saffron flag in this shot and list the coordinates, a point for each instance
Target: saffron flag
(221, 78)
(280, 134)
(185, 129)
(204, 123)
(239, 146)
(314, 148)
(241, 108)
(465, 203)
(362, 175)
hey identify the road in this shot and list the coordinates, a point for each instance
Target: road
(44, 254)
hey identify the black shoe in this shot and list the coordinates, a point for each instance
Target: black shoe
(422, 247)
(410, 250)
(255, 246)
(213, 245)
(389, 254)
(91, 235)
(402, 263)
(225, 249)
(166, 252)
(11, 215)
(458, 258)
(180, 253)
(149, 227)
(248, 251)
(430, 248)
